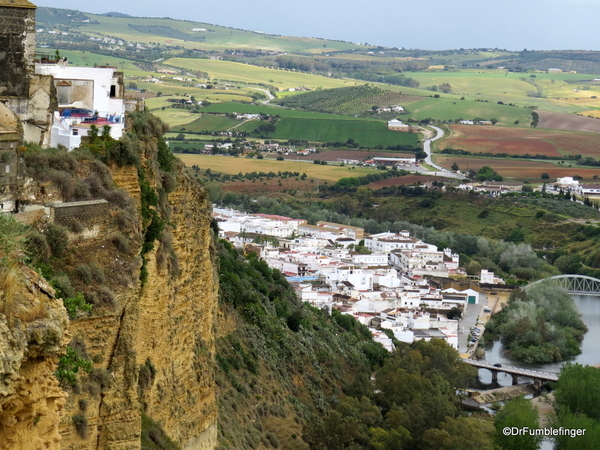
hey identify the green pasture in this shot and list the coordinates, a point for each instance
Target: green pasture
(367, 133)
(157, 102)
(517, 88)
(447, 109)
(175, 117)
(476, 83)
(246, 73)
(242, 108)
(209, 122)
(231, 165)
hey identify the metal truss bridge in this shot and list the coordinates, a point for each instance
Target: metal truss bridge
(573, 284)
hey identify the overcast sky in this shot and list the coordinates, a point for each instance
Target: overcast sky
(426, 24)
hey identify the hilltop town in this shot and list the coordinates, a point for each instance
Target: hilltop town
(384, 280)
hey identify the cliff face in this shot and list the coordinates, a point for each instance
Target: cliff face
(154, 350)
(151, 345)
(32, 337)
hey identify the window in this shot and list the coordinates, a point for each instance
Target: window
(113, 91)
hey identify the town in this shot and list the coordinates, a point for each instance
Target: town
(394, 283)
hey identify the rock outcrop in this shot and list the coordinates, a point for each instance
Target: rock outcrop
(151, 344)
(32, 337)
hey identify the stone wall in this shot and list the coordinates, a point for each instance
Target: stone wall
(88, 213)
(17, 41)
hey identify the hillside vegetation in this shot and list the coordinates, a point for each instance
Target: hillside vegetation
(294, 377)
(347, 101)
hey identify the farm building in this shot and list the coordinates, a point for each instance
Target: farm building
(590, 189)
(397, 125)
(391, 161)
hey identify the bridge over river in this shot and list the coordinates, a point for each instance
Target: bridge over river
(573, 284)
(538, 376)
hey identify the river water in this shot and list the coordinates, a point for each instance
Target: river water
(589, 308)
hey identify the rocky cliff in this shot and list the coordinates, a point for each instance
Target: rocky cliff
(147, 266)
(32, 336)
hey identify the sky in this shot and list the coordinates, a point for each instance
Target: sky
(425, 24)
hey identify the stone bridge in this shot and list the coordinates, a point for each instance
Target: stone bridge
(538, 376)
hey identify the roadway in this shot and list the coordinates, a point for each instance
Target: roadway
(439, 170)
(548, 376)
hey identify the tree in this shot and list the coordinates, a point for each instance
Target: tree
(545, 176)
(517, 413)
(494, 121)
(265, 129)
(455, 167)
(457, 434)
(93, 133)
(106, 133)
(578, 390)
(420, 155)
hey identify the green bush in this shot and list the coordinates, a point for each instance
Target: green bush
(56, 236)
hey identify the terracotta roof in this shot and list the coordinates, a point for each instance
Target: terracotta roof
(17, 4)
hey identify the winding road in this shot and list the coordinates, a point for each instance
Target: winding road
(439, 170)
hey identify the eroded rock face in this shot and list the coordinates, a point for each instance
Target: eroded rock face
(156, 346)
(32, 337)
(151, 346)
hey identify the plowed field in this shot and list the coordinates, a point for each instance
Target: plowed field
(518, 168)
(568, 122)
(522, 141)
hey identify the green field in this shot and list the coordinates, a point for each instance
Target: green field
(447, 109)
(209, 122)
(270, 110)
(231, 165)
(245, 73)
(367, 133)
(518, 88)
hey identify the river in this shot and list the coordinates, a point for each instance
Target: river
(589, 308)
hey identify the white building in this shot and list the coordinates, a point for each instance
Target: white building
(386, 242)
(86, 96)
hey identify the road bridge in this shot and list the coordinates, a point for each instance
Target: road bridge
(538, 376)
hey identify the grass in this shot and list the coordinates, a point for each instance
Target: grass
(230, 107)
(175, 117)
(499, 85)
(448, 109)
(231, 165)
(209, 122)
(245, 73)
(367, 133)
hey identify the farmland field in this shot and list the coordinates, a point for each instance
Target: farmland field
(520, 141)
(405, 180)
(446, 109)
(242, 108)
(245, 73)
(521, 169)
(366, 133)
(208, 122)
(231, 165)
(351, 100)
(360, 155)
(568, 122)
